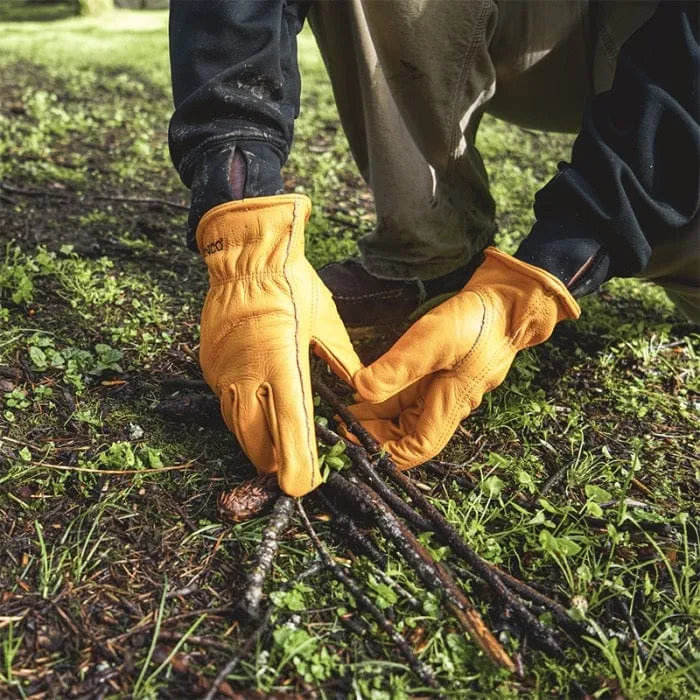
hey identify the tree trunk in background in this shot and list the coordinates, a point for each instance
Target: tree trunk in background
(94, 7)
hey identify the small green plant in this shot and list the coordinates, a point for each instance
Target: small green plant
(123, 455)
(602, 419)
(9, 648)
(51, 561)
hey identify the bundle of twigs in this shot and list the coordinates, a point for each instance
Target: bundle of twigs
(377, 493)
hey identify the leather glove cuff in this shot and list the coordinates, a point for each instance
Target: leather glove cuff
(254, 237)
(503, 269)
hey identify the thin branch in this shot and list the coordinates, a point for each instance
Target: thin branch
(120, 472)
(142, 200)
(480, 566)
(177, 383)
(406, 595)
(641, 646)
(358, 541)
(32, 193)
(360, 460)
(445, 470)
(98, 197)
(432, 573)
(265, 555)
(198, 641)
(444, 529)
(422, 670)
(558, 611)
(257, 633)
(553, 481)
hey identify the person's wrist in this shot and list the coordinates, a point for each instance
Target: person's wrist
(569, 251)
(232, 173)
(517, 279)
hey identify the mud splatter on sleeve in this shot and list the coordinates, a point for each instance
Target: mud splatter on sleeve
(236, 88)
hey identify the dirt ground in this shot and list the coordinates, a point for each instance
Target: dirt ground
(117, 578)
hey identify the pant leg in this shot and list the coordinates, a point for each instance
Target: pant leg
(424, 72)
(420, 230)
(676, 268)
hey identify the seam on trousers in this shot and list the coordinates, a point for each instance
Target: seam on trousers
(608, 42)
(463, 76)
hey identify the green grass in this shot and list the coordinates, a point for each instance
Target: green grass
(99, 300)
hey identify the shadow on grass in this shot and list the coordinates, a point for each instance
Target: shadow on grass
(36, 10)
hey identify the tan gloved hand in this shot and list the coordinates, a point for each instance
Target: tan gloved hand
(265, 307)
(437, 373)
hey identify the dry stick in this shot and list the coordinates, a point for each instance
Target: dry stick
(265, 555)
(177, 383)
(364, 544)
(444, 529)
(117, 472)
(109, 198)
(142, 200)
(258, 632)
(428, 570)
(422, 670)
(361, 461)
(641, 646)
(553, 481)
(444, 470)
(558, 611)
(406, 595)
(196, 640)
(361, 543)
(452, 538)
(394, 501)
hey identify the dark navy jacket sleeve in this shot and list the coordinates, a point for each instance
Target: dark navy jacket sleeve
(633, 182)
(236, 88)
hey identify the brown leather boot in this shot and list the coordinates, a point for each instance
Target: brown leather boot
(376, 310)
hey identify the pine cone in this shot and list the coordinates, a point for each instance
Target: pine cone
(248, 500)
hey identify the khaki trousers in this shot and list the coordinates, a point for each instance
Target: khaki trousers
(412, 79)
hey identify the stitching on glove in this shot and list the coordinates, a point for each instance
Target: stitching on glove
(257, 275)
(477, 381)
(448, 430)
(485, 321)
(292, 228)
(373, 295)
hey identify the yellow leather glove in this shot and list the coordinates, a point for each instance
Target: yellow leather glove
(437, 373)
(265, 307)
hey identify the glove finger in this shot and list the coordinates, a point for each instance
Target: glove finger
(331, 341)
(386, 431)
(381, 419)
(423, 429)
(390, 409)
(246, 419)
(288, 405)
(435, 342)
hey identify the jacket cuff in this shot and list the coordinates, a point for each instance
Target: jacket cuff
(214, 181)
(569, 251)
